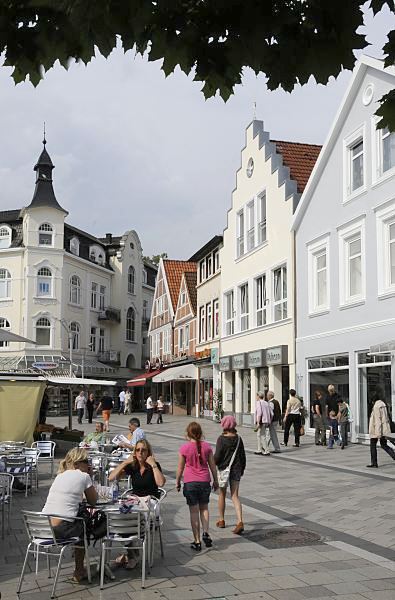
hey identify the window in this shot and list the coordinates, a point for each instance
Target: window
(216, 317)
(202, 270)
(75, 330)
(166, 341)
(280, 293)
(131, 280)
(186, 341)
(101, 340)
(356, 156)
(130, 325)
(94, 287)
(97, 255)
(180, 338)
(243, 295)
(250, 226)
(5, 284)
(229, 313)
(240, 233)
(183, 298)
(209, 321)
(318, 275)
(261, 300)
(44, 282)
(391, 228)
(92, 339)
(145, 276)
(156, 344)
(261, 217)
(75, 246)
(102, 297)
(45, 235)
(351, 263)
(43, 331)
(5, 236)
(387, 150)
(354, 163)
(4, 324)
(209, 264)
(159, 305)
(75, 290)
(216, 260)
(202, 324)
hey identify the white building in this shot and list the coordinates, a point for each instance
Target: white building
(58, 283)
(345, 248)
(257, 271)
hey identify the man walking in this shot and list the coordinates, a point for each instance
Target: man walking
(121, 402)
(263, 418)
(276, 410)
(319, 420)
(79, 405)
(149, 405)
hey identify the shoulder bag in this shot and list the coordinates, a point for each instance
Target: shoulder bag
(223, 475)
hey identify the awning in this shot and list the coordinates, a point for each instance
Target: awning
(180, 373)
(142, 378)
(79, 381)
(8, 336)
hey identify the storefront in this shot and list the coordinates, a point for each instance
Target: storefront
(182, 381)
(374, 383)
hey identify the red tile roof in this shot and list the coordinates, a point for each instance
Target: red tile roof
(300, 159)
(191, 281)
(174, 270)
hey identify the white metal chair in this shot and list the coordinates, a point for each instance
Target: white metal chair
(47, 452)
(6, 483)
(19, 466)
(123, 530)
(42, 541)
(33, 455)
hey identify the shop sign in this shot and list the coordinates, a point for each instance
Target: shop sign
(224, 363)
(277, 356)
(214, 358)
(203, 354)
(239, 361)
(45, 366)
(256, 359)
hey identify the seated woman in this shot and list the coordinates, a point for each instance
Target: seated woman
(97, 436)
(146, 476)
(72, 482)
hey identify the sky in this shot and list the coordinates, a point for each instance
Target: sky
(135, 150)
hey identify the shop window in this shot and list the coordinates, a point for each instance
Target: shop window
(246, 391)
(280, 293)
(374, 375)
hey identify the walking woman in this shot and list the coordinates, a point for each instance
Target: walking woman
(292, 417)
(90, 406)
(229, 444)
(195, 462)
(379, 429)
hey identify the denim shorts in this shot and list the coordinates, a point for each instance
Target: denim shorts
(197, 492)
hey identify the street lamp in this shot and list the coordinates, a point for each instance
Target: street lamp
(70, 336)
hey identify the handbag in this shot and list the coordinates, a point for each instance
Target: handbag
(302, 430)
(223, 475)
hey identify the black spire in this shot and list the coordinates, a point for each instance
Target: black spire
(44, 194)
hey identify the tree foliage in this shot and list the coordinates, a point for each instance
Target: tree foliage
(288, 40)
(155, 258)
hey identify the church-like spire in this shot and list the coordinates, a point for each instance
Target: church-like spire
(44, 194)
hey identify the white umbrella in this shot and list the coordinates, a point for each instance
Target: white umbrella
(8, 336)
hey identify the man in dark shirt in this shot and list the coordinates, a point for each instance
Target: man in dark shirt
(318, 409)
(331, 400)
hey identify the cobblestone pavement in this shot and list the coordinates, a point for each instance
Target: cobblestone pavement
(329, 493)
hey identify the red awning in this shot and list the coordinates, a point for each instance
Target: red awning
(142, 378)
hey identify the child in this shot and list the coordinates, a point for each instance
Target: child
(333, 425)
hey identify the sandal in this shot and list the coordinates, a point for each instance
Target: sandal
(207, 540)
(220, 524)
(121, 560)
(196, 546)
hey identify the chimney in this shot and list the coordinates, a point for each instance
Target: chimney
(109, 237)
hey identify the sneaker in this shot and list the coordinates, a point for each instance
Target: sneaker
(257, 452)
(207, 540)
(283, 444)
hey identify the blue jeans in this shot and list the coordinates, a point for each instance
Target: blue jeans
(332, 440)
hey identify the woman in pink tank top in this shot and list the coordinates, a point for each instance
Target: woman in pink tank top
(195, 462)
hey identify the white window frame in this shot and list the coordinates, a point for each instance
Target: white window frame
(46, 327)
(348, 143)
(202, 270)
(5, 236)
(183, 298)
(229, 321)
(385, 216)
(284, 300)
(180, 338)
(314, 250)
(6, 282)
(202, 323)
(166, 341)
(41, 280)
(216, 323)
(75, 246)
(265, 301)
(186, 337)
(216, 266)
(261, 220)
(102, 297)
(250, 225)
(75, 290)
(130, 329)
(240, 234)
(94, 295)
(131, 280)
(75, 329)
(93, 338)
(378, 175)
(346, 234)
(4, 324)
(244, 316)
(102, 339)
(209, 321)
(46, 229)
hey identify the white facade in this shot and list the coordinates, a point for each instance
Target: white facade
(345, 248)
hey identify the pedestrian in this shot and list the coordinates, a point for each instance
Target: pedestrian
(195, 462)
(160, 409)
(333, 425)
(331, 400)
(43, 409)
(121, 405)
(229, 448)
(379, 429)
(343, 419)
(128, 402)
(136, 433)
(319, 421)
(149, 405)
(292, 417)
(263, 418)
(106, 405)
(276, 409)
(90, 406)
(79, 405)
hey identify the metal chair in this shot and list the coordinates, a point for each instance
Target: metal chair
(122, 531)
(42, 541)
(19, 466)
(6, 483)
(47, 452)
(33, 454)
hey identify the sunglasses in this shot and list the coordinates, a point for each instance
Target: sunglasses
(141, 450)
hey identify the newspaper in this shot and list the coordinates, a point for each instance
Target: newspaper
(120, 439)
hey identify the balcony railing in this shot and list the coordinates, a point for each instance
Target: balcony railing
(110, 314)
(110, 357)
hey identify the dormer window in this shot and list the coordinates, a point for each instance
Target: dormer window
(45, 235)
(75, 246)
(97, 255)
(5, 236)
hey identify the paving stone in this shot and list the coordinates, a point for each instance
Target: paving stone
(347, 587)
(217, 590)
(380, 584)
(289, 594)
(315, 591)
(254, 585)
(190, 592)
